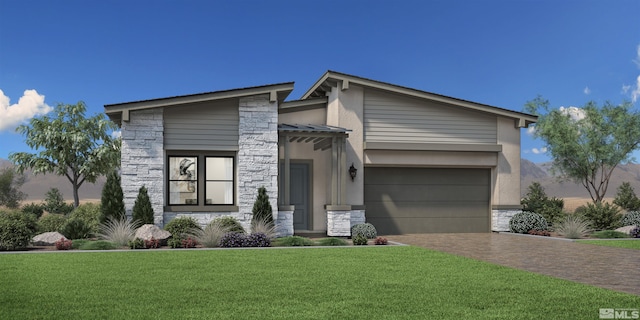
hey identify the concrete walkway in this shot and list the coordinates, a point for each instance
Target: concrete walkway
(612, 268)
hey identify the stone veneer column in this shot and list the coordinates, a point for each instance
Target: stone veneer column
(257, 154)
(142, 160)
(338, 223)
(500, 219)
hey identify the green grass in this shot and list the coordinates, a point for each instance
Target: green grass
(629, 244)
(287, 283)
(609, 234)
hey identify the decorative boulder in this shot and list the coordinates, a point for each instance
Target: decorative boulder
(47, 239)
(626, 229)
(148, 231)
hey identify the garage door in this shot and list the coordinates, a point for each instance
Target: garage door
(427, 200)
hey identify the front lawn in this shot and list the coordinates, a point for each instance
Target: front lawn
(629, 244)
(318, 283)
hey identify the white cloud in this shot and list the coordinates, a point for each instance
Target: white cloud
(635, 94)
(637, 59)
(587, 91)
(574, 112)
(531, 130)
(625, 88)
(31, 104)
(539, 151)
(116, 134)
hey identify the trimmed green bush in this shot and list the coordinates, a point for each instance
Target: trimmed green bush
(626, 198)
(16, 229)
(90, 214)
(142, 210)
(262, 210)
(34, 208)
(360, 240)
(138, 243)
(230, 224)
(602, 216)
(536, 200)
(609, 234)
(112, 199)
(51, 223)
(365, 229)
(54, 202)
(98, 245)
(182, 227)
(79, 243)
(630, 219)
(292, 241)
(332, 242)
(76, 228)
(523, 222)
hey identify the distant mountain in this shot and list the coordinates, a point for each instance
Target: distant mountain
(531, 172)
(37, 186)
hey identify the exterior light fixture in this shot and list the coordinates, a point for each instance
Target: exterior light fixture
(352, 172)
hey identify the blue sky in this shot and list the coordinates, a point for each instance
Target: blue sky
(501, 53)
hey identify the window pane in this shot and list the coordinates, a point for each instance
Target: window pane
(183, 180)
(219, 168)
(219, 192)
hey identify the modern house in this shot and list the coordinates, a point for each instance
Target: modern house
(350, 150)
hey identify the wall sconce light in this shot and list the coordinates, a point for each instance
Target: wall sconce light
(352, 172)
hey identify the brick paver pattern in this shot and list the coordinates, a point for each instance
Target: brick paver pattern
(612, 268)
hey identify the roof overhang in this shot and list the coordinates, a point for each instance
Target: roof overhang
(302, 105)
(120, 111)
(333, 79)
(320, 135)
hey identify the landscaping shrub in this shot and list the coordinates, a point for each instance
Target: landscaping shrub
(210, 236)
(182, 227)
(523, 222)
(120, 231)
(293, 241)
(16, 229)
(230, 224)
(262, 210)
(232, 240)
(98, 245)
(630, 219)
(263, 226)
(51, 223)
(152, 243)
(536, 200)
(112, 198)
(142, 210)
(602, 216)
(543, 233)
(635, 232)
(365, 229)
(189, 242)
(54, 202)
(360, 240)
(34, 208)
(257, 240)
(626, 198)
(332, 242)
(76, 228)
(381, 241)
(79, 243)
(609, 234)
(63, 244)
(137, 243)
(90, 214)
(174, 243)
(573, 227)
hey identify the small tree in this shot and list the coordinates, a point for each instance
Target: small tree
(112, 199)
(536, 200)
(626, 198)
(142, 210)
(54, 202)
(262, 210)
(10, 183)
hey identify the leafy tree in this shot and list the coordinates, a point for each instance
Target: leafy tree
(626, 198)
(142, 210)
(10, 183)
(536, 200)
(54, 202)
(112, 199)
(587, 144)
(262, 210)
(69, 145)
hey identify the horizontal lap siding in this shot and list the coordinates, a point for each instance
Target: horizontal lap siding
(202, 126)
(394, 118)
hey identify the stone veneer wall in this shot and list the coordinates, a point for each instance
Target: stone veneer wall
(258, 154)
(500, 219)
(142, 160)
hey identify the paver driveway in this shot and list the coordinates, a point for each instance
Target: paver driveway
(606, 267)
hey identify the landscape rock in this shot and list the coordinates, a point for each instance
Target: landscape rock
(148, 231)
(47, 239)
(626, 229)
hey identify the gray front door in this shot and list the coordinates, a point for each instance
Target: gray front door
(299, 196)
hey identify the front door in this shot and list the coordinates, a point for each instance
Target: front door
(299, 196)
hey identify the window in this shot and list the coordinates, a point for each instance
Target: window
(201, 180)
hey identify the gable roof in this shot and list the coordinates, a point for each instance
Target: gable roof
(343, 81)
(120, 111)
